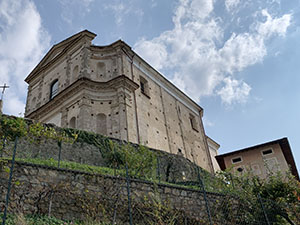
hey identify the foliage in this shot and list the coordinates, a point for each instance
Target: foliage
(140, 160)
(279, 194)
(20, 219)
(12, 127)
(157, 211)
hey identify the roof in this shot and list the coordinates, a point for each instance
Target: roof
(285, 147)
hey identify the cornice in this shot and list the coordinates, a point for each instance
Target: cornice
(84, 84)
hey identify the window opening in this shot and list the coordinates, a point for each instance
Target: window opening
(267, 152)
(237, 160)
(54, 89)
(144, 86)
(72, 123)
(240, 169)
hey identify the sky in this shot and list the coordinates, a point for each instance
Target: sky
(238, 59)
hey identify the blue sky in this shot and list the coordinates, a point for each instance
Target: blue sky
(239, 59)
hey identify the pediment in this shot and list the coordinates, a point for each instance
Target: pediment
(58, 49)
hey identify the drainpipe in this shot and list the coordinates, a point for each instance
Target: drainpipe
(134, 97)
(205, 143)
(1, 105)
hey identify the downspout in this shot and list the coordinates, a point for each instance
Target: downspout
(134, 97)
(205, 143)
(135, 106)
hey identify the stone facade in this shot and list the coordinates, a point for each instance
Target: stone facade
(112, 91)
(270, 157)
(213, 149)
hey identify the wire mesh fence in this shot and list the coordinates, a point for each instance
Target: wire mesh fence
(144, 186)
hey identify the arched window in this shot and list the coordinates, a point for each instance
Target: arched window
(54, 89)
(101, 124)
(72, 123)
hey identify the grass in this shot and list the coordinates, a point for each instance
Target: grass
(91, 169)
(72, 166)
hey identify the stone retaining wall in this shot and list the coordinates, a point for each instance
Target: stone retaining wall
(172, 168)
(70, 195)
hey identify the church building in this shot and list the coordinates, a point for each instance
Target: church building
(112, 91)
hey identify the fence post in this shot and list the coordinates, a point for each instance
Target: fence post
(263, 208)
(128, 194)
(9, 181)
(158, 168)
(3, 146)
(59, 153)
(204, 196)
(232, 182)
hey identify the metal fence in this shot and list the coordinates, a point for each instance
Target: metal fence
(135, 163)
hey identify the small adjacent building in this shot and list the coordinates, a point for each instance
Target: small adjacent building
(112, 91)
(261, 159)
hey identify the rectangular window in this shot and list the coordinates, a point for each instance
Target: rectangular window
(144, 86)
(236, 160)
(267, 152)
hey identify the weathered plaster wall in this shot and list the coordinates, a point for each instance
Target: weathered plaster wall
(258, 163)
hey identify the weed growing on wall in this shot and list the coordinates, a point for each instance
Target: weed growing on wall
(140, 160)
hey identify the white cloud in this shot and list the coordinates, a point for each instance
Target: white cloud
(204, 57)
(241, 51)
(23, 41)
(121, 10)
(231, 4)
(155, 52)
(73, 8)
(234, 91)
(274, 25)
